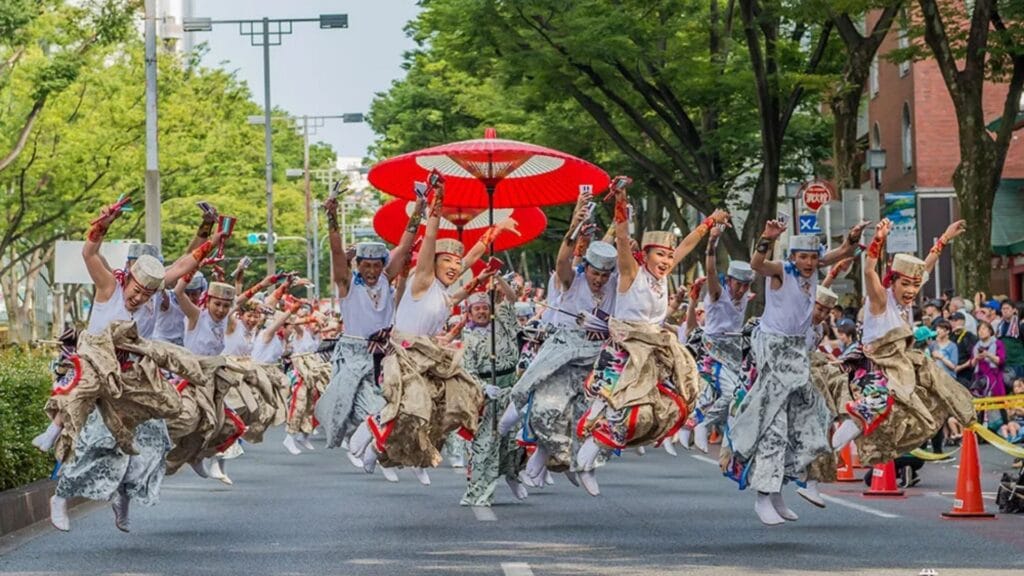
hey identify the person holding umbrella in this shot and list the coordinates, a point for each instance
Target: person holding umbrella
(644, 382)
(427, 392)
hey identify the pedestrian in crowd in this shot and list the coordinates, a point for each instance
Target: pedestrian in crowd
(965, 341)
(944, 350)
(989, 359)
(1008, 331)
(1013, 428)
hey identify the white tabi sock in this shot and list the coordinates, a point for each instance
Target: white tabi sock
(509, 419)
(847, 432)
(48, 438)
(587, 455)
(780, 506)
(701, 437)
(59, 513)
(766, 512)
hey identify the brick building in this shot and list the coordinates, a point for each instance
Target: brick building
(910, 115)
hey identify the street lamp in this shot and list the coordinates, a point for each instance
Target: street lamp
(876, 163)
(264, 33)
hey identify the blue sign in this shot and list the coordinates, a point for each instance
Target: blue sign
(809, 224)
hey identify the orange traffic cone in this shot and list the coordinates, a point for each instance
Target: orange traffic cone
(968, 503)
(845, 471)
(883, 481)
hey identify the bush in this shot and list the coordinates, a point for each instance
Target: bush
(24, 388)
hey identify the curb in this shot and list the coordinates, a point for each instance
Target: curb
(24, 506)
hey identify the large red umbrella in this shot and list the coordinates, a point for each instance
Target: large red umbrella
(492, 172)
(464, 224)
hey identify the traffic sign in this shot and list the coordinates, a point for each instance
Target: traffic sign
(253, 238)
(809, 224)
(816, 194)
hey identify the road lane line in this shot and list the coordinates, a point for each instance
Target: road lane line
(704, 459)
(855, 506)
(484, 514)
(516, 569)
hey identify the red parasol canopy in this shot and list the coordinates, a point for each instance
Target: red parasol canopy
(465, 224)
(519, 174)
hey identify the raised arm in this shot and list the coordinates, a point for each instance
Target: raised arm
(488, 237)
(204, 231)
(398, 256)
(835, 271)
(279, 322)
(341, 274)
(192, 260)
(872, 282)
(955, 229)
(567, 250)
(691, 310)
(102, 276)
(847, 249)
(424, 273)
(711, 264)
(718, 217)
(760, 262)
(627, 264)
(190, 310)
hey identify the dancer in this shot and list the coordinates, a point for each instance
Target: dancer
(368, 309)
(427, 392)
(904, 398)
(644, 382)
(549, 394)
(120, 464)
(725, 305)
(782, 422)
(492, 453)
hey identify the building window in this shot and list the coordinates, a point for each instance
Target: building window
(904, 42)
(907, 134)
(876, 144)
(873, 78)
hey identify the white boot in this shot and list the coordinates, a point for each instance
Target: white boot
(667, 445)
(537, 465)
(354, 460)
(509, 419)
(457, 460)
(683, 437)
(701, 436)
(360, 439)
(369, 459)
(549, 480)
(48, 438)
(587, 455)
(811, 494)
(421, 475)
(120, 503)
(59, 513)
(589, 481)
(344, 444)
(518, 490)
(389, 474)
(200, 468)
(847, 432)
(766, 512)
(776, 499)
(641, 450)
(304, 441)
(290, 446)
(222, 467)
(526, 480)
(213, 468)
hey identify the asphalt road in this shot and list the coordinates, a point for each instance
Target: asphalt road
(315, 514)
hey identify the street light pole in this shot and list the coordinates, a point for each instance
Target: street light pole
(309, 197)
(268, 147)
(266, 38)
(152, 205)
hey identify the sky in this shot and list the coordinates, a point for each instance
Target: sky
(314, 71)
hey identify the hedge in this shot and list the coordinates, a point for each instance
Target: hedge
(24, 387)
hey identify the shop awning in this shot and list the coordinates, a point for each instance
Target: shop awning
(1008, 218)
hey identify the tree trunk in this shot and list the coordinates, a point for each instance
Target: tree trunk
(975, 191)
(845, 109)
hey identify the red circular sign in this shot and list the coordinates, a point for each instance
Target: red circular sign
(816, 195)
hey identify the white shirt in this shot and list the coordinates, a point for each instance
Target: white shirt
(645, 301)
(267, 352)
(426, 316)
(207, 338)
(103, 314)
(170, 323)
(876, 326)
(788, 310)
(579, 298)
(550, 316)
(364, 315)
(723, 316)
(306, 343)
(239, 342)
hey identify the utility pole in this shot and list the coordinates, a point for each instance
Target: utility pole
(152, 205)
(268, 151)
(310, 231)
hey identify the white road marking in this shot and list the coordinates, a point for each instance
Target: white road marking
(704, 459)
(516, 569)
(484, 514)
(855, 506)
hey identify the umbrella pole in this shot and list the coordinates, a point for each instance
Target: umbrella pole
(494, 285)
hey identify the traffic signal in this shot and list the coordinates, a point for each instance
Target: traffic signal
(258, 237)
